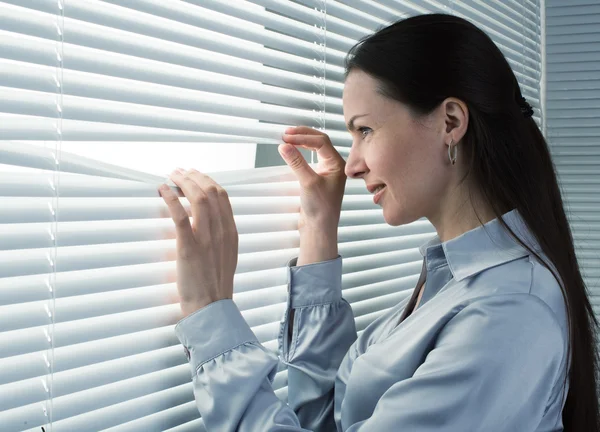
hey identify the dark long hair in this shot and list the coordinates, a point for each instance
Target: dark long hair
(421, 61)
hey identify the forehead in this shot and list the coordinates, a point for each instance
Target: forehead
(361, 96)
(359, 86)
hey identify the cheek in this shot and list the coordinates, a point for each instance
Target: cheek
(407, 163)
(417, 175)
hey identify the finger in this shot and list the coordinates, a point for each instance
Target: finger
(210, 187)
(294, 130)
(197, 198)
(297, 163)
(222, 221)
(319, 143)
(177, 211)
(219, 204)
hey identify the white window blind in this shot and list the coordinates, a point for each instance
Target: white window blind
(573, 126)
(87, 288)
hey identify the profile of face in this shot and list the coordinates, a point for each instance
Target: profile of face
(407, 153)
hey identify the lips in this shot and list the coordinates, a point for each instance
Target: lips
(378, 188)
(373, 187)
(378, 194)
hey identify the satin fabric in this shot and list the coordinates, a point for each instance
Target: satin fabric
(485, 350)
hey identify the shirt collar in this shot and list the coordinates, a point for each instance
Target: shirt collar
(483, 247)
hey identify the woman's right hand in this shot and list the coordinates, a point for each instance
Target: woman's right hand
(321, 194)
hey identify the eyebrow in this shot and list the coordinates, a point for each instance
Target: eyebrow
(350, 125)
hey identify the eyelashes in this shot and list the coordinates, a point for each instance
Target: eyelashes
(364, 131)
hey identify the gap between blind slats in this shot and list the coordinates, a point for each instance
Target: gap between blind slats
(28, 102)
(30, 156)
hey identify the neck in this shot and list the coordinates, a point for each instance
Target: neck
(461, 213)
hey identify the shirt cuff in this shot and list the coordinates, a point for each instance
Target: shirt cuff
(314, 284)
(211, 331)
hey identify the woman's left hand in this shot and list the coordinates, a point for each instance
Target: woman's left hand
(207, 248)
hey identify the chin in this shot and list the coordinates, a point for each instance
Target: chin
(396, 216)
(393, 218)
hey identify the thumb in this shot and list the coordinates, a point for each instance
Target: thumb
(296, 161)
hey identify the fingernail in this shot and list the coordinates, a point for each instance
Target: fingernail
(164, 187)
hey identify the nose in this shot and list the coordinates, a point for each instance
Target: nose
(355, 165)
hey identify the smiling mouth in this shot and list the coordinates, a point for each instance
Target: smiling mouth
(378, 193)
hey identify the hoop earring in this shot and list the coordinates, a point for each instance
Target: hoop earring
(452, 154)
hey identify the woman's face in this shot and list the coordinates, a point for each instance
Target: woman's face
(391, 146)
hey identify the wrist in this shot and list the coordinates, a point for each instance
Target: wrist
(316, 248)
(189, 307)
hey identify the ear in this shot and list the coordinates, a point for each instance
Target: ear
(456, 116)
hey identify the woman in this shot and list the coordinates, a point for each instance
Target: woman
(498, 334)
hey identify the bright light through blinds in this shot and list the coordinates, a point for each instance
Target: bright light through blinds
(99, 100)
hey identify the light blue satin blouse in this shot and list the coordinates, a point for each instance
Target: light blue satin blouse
(486, 349)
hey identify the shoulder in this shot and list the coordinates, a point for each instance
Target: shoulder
(511, 316)
(524, 285)
(511, 329)
(547, 289)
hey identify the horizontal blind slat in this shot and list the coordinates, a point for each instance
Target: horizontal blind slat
(44, 235)
(33, 210)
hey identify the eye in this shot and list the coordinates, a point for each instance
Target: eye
(363, 130)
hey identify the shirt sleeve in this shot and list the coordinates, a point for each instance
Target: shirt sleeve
(232, 372)
(493, 368)
(322, 330)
